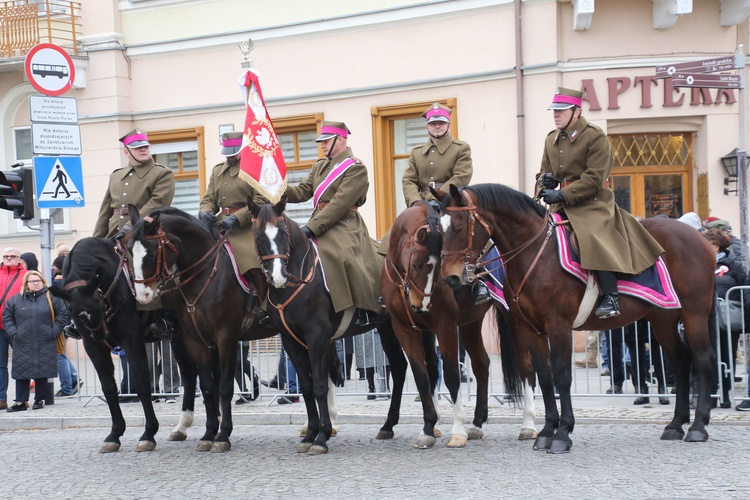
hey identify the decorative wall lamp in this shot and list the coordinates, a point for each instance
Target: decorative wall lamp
(730, 162)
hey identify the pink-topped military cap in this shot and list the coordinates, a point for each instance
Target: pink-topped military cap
(437, 113)
(329, 130)
(566, 98)
(231, 143)
(136, 138)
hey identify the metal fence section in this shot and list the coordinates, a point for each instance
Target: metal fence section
(367, 374)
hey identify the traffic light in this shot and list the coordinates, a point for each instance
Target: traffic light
(17, 193)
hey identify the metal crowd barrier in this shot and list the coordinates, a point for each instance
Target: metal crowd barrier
(363, 353)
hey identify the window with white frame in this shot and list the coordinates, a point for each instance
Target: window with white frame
(182, 159)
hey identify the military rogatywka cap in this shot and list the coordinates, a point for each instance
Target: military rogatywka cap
(329, 130)
(136, 138)
(566, 98)
(437, 113)
(231, 143)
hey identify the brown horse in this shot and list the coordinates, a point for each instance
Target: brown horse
(545, 299)
(423, 306)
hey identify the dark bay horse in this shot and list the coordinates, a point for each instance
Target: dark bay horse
(301, 308)
(545, 299)
(422, 306)
(178, 257)
(101, 302)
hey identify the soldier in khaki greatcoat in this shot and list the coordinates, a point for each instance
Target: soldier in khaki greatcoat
(440, 162)
(148, 186)
(338, 185)
(578, 157)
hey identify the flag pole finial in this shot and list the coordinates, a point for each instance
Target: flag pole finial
(247, 49)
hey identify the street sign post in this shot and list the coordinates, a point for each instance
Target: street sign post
(58, 181)
(56, 139)
(712, 65)
(707, 80)
(50, 69)
(45, 109)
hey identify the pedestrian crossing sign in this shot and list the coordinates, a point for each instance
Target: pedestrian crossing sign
(58, 181)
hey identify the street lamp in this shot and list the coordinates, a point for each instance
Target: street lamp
(730, 161)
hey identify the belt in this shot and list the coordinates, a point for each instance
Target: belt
(229, 211)
(324, 204)
(436, 185)
(120, 211)
(566, 182)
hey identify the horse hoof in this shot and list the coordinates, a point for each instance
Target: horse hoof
(542, 443)
(177, 436)
(304, 447)
(527, 435)
(437, 432)
(109, 447)
(204, 445)
(145, 446)
(384, 435)
(317, 449)
(424, 442)
(670, 434)
(559, 446)
(475, 433)
(457, 441)
(221, 447)
(696, 436)
(303, 431)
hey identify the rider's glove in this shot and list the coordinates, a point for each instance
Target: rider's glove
(549, 181)
(228, 223)
(207, 218)
(308, 232)
(550, 196)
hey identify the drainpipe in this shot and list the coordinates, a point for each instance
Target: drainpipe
(519, 100)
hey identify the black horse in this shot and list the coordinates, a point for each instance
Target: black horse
(177, 256)
(101, 302)
(301, 308)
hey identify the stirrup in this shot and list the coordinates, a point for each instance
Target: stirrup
(608, 308)
(160, 329)
(480, 293)
(72, 332)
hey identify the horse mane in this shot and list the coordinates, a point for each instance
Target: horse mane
(499, 196)
(434, 243)
(87, 258)
(174, 211)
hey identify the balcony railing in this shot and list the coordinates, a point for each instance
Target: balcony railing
(25, 23)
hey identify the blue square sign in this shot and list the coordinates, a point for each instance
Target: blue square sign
(58, 181)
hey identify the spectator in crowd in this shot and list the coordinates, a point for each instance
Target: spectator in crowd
(126, 383)
(735, 244)
(11, 282)
(729, 273)
(370, 355)
(34, 319)
(286, 376)
(161, 361)
(29, 261)
(244, 370)
(693, 220)
(636, 337)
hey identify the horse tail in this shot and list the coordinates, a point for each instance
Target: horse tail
(511, 376)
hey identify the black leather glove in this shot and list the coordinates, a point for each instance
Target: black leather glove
(551, 196)
(308, 232)
(549, 181)
(435, 204)
(228, 223)
(207, 218)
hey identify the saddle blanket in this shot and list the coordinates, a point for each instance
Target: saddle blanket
(495, 276)
(654, 285)
(240, 279)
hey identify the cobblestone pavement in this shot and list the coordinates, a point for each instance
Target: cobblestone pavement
(53, 453)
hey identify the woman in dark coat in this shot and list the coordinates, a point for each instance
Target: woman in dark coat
(729, 273)
(34, 319)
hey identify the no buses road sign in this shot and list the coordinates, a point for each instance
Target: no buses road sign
(50, 69)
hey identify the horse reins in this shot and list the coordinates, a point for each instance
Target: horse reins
(406, 281)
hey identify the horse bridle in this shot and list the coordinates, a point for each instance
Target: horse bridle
(292, 280)
(108, 311)
(405, 283)
(179, 279)
(470, 256)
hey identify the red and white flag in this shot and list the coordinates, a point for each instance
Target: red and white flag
(262, 163)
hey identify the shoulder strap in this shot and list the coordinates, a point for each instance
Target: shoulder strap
(7, 289)
(49, 301)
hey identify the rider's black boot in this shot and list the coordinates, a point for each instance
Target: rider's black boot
(479, 292)
(363, 317)
(609, 307)
(71, 331)
(162, 328)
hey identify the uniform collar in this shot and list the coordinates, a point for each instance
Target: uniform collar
(574, 131)
(233, 171)
(346, 153)
(442, 144)
(141, 170)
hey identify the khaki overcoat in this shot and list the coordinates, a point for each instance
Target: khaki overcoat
(447, 162)
(346, 250)
(148, 186)
(227, 190)
(610, 239)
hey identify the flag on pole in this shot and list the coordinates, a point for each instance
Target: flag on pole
(262, 163)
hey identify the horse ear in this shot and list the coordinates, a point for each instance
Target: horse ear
(279, 208)
(422, 235)
(152, 225)
(456, 195)
(438, 194)
(135, 215)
